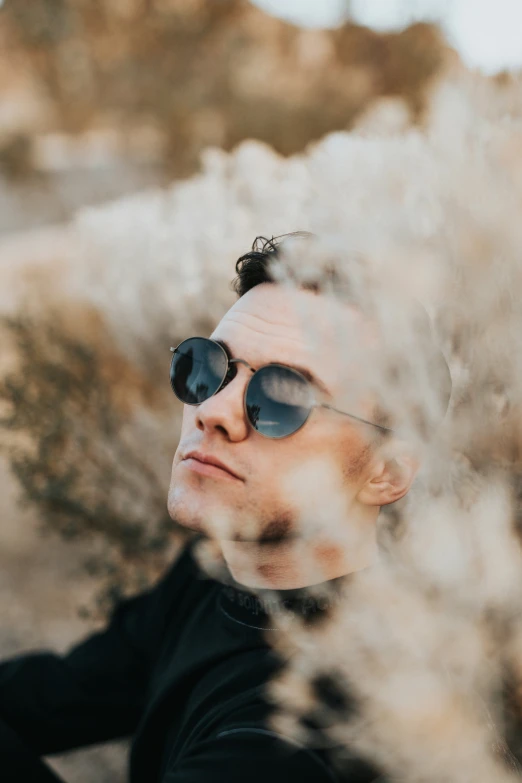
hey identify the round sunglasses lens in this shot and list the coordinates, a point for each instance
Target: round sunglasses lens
(278, 401)
(197, 370)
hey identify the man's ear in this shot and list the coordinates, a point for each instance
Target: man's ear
(391, 476)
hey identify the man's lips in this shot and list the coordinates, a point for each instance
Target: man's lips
(207, 465)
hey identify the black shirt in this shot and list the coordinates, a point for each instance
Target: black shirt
(182, 669)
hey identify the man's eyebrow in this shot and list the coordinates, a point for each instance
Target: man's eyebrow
(310, 377)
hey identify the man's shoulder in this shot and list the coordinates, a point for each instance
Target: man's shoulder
(259, 754)
(262, 751)
(254, 753)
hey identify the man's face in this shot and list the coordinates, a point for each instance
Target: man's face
(300, 329)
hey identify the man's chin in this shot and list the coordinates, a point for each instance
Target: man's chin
(222, 523)
(212, 523)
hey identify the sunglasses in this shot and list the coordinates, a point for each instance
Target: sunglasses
(278, 399)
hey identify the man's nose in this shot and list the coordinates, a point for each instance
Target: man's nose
(225, 410)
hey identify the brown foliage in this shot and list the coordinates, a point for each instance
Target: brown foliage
(65, 388)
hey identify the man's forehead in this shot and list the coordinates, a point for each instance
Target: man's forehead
(275, 311)
(271, 323)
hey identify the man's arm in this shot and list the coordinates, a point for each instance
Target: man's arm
(95, 692)
(19, 763)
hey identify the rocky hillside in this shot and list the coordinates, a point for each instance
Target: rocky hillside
(100, 99)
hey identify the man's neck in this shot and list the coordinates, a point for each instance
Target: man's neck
(299, 562)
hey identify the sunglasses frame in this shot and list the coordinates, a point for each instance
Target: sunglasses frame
(315, 403)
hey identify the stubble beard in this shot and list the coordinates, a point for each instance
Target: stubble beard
(249, 525)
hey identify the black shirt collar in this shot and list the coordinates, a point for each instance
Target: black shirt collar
(260, 608)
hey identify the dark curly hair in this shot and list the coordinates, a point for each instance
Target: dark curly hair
(253, 268)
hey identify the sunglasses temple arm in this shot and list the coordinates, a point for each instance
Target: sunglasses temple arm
(357, 418)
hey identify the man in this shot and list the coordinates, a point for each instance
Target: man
(183, 668)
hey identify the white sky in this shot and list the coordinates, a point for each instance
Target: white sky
(487, 33)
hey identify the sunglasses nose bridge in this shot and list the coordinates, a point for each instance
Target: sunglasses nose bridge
(232, 376)
(233, 373)
(241, 361)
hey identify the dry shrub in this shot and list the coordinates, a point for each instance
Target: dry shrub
(83, 432)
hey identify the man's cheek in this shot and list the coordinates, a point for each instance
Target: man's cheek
(188, 420)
